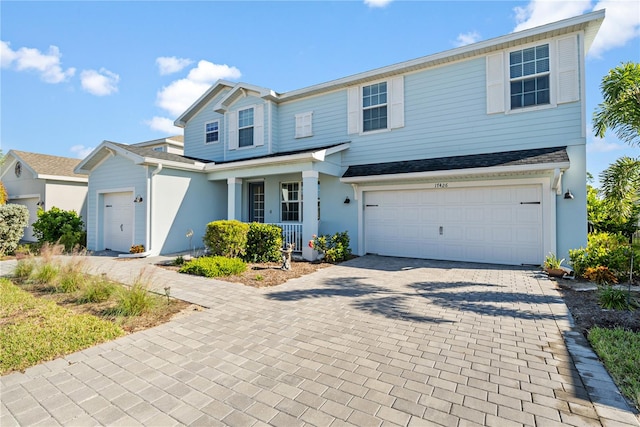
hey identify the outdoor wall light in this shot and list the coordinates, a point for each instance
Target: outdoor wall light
(40, 204)
(347, 200)
(568, 194)
(138, 199)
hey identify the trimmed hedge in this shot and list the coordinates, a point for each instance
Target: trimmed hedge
(227, 238)
(13, 220)
(214, 266)
(263, 243)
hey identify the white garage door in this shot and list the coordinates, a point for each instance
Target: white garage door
(118, 221)
(500, 225)
(32, 205)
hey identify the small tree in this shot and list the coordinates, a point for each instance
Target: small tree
(13, 220)
(57, 225)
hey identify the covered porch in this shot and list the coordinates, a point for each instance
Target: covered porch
(281, 189)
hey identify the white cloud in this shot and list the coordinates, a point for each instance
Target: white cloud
(99, 83)
(377, 3)
(29, 59)
(621, 24)
(602, 145)
(80, 151)
(171, 64)
(163, 125)
(467, 38)
(180, 94)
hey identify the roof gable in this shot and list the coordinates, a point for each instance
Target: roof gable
(45, 166)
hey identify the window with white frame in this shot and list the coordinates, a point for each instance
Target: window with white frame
(158, 148)
(374, 107)
(245, 128)
(529, 75)
(304, 122)
(212, 132)
(291, 201)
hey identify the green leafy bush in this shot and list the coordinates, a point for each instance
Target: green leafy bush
(13, 220)
(612, 298)
(226, 238)
(57, 225)
(214, 266)
(264, 242)
(335, 248)
(603, 249)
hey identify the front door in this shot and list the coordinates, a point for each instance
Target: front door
(256, 202)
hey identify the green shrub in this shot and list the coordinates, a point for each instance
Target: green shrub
(612, 298)
(603, 249)
(214, 266)
(335, 248)
(57, 225)
(24, 269)
(135, 300)
(226, 238)
(97, 290)
(264, 242)
(13, 220)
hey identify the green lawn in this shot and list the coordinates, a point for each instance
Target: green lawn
(33, 330)
(620, 351)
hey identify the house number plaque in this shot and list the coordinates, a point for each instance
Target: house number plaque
(441, 185)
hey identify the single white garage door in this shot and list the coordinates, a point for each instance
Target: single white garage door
(501, 225)
(32, 205)
(118, 221)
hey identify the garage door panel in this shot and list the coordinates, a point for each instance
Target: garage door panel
(118, 221)
(482, 224)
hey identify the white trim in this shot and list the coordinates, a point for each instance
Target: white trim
(552, 73)
(23, 196)
(63, 178)
(318, 155)
(548, 204)
(457, 173)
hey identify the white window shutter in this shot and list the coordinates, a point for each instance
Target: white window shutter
(495, 83)
(353, 110)
(232, 122)
(567, 68)
(396, 98)
(304, 123)
(258, 125)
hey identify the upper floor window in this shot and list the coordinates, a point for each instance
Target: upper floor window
(245, 128)
(158, 148)
(374, 107)
(529, 76)
(212, 132)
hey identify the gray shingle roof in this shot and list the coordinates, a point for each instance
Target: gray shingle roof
(45, 164)
(159, 155)
(505, 158)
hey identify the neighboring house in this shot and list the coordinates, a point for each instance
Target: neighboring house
(43, 181)
(463, 155)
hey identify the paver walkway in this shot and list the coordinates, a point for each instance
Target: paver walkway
(375, 341)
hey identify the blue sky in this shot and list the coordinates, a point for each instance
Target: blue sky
(77, 73)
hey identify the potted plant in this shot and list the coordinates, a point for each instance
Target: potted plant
(553, 266)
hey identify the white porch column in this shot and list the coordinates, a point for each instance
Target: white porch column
(234, 198)
(309, 212)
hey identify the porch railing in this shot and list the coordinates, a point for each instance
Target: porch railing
(291, 233)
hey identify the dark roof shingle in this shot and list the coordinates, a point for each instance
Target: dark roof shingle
(505, 158)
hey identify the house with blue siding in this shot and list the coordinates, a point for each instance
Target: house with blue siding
(473, 154)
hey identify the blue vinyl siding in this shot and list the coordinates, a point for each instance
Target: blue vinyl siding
(194, 134)
(254, 151)
(115, 174)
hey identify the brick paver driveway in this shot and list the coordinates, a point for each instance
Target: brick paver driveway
(375, 341)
